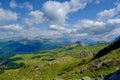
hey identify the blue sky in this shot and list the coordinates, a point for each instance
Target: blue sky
(78, 19)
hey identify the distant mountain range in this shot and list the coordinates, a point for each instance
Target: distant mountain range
(25, 45)
(68, 39)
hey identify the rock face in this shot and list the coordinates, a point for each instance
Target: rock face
(84, 54)
(115, 75)
(80, 43)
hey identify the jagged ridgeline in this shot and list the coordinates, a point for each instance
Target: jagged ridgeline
(115, 45)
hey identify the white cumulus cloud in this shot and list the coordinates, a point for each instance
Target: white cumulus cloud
(13, 4)
(57, 12)
(35, 17)
(99, 30)
(26, 5)
(11, 27)
(107, 14)
(7, 16)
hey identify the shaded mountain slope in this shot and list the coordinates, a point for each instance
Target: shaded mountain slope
(24, 45)
(106, 50)
(117, 38)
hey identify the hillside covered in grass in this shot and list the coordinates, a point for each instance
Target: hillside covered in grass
(66, 63)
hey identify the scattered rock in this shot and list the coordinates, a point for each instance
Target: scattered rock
(101, 77)
(83, 71)
(117, 68)
(104, 65)
(85, 78)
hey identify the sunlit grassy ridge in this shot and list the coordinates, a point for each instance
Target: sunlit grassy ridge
(101, 66)
(65, 62)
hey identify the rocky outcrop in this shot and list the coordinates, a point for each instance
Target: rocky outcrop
(101, 77)
(83, 54)
(80, 43)
(85, 78)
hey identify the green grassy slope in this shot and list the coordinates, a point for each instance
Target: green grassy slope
(65, 62)
(101, 66)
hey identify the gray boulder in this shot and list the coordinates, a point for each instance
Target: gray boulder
(85, 78)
